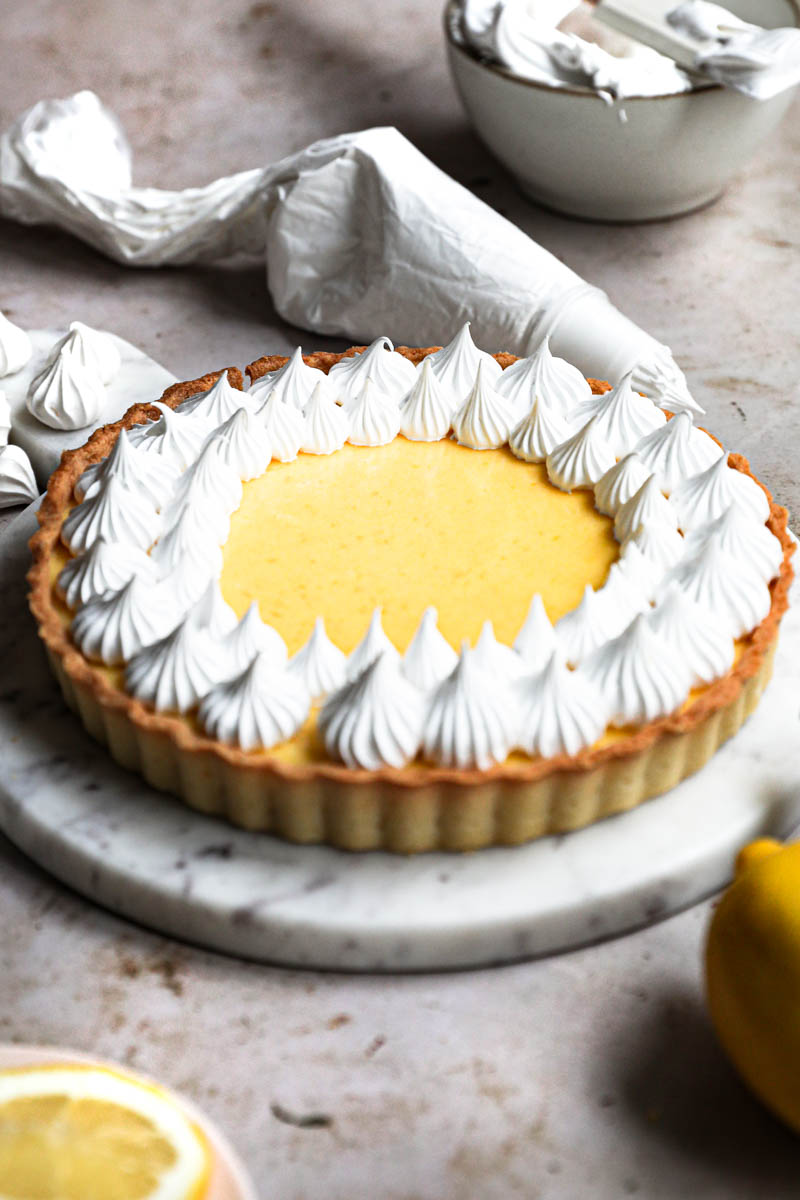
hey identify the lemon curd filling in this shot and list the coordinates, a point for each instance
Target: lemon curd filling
(403, 526)
(406, 525)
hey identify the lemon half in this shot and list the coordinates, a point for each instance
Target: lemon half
(753, 974)
(72, 1132)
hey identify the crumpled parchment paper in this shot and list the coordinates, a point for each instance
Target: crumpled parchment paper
(361, 234)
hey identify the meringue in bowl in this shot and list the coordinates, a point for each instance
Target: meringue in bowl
(575, 149)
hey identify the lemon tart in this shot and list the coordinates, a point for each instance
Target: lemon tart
(409, 599)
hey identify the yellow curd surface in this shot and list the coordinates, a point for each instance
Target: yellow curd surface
(402, 526)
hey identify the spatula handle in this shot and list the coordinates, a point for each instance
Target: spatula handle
(646, 21)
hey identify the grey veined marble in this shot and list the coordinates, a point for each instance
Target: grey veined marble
(146, 856)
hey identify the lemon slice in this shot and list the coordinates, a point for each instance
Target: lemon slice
(72, 1132)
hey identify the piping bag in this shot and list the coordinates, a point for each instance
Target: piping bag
(360, 233)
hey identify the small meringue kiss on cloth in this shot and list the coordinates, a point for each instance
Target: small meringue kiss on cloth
(435, 254)
(71, 382)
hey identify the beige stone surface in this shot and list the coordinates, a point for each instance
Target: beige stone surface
(593, 1074)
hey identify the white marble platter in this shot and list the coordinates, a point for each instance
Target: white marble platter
(138, 379)
(107, 834)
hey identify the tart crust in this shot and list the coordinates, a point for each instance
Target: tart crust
(407, 810)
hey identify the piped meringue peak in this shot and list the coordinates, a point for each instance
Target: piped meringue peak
(175, 673)
(374, 643)
(212, 612)
(429, 658)
(69, 390)
(619, 483)
(538, 433)
(321, 666)
(326, 423)
(536, 640)
(375, 720)
(243, 444)
(486, 418)
(456, 365)
(502, 662)
(66, 394)
(647, 506)
(250, 637)
(111, 514)
(582, 459)
(106, 567)
(427, 410)
(17, 481)
(694, 635)
(284, 426)
(748, 540)
(560, 711)
(5, 418)
(545, 379)
(695, 562)
(704, 497)
(15, 347)
(623, 417)
(294, 382)
(117, 625)
(150, 474)
(258, 709)
(639, 674)
(216, 406)
(583, 629)
(393, 375)
(733, 590)
(470, 721)
(176, 437)
(374, 417)
(92, 348)
(659, 542)
(677, 450)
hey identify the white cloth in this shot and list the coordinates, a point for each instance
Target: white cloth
(361, 233)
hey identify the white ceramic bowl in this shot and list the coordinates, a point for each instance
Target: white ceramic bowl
(569, 150)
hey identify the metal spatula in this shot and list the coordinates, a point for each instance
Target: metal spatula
(706, 39)
(646, 22)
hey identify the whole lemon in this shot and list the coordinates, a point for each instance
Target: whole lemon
(753, 974)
